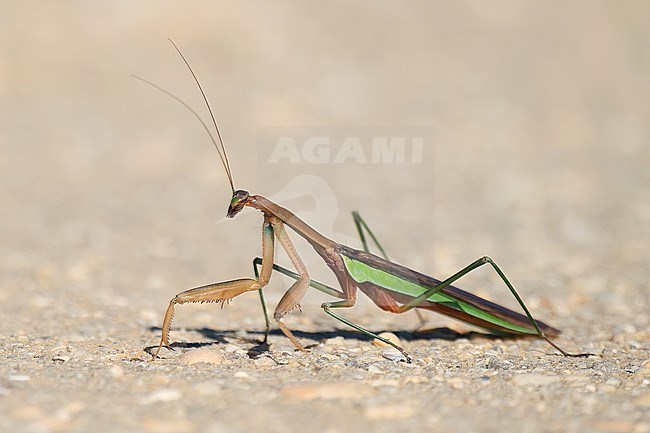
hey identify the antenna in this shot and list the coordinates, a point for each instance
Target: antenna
(221, 150)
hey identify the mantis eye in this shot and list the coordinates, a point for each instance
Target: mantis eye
(237, 203)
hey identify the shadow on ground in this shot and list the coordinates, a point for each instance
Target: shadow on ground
(260, 347)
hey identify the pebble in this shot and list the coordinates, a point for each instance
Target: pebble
(206, 388)
(372, 368)
(67, 412)
(330, 357)
(231, 348)
(242, 375)
(265, 361)
(19, 378)
(116, 371)
(388, 336)
(336, 341)
(394, 355)
(162, 395)
(205, 355)
(457, 382)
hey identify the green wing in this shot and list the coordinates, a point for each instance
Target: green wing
(365, 268)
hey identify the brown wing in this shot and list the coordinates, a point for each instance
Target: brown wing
(425, 280)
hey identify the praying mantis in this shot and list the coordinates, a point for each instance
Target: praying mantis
(392, 287)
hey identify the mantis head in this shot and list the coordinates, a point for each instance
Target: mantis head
(239, 199)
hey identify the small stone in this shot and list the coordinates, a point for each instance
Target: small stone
(231, 348)
(394, 355)
(265, 361)
(457, 383)
(116, 371)
(336, 341)
(388, 336)
(205, 355)
(207, 388)
(19, 378)
(329, 357)
(242, 375)
(162, 395)
(65, 414)
(372, 368)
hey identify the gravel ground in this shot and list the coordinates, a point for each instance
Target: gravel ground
(535, 129)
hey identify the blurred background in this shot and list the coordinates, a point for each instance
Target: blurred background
(535, 152)
(535, 126)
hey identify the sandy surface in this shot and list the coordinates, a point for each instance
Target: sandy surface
(536, 147)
